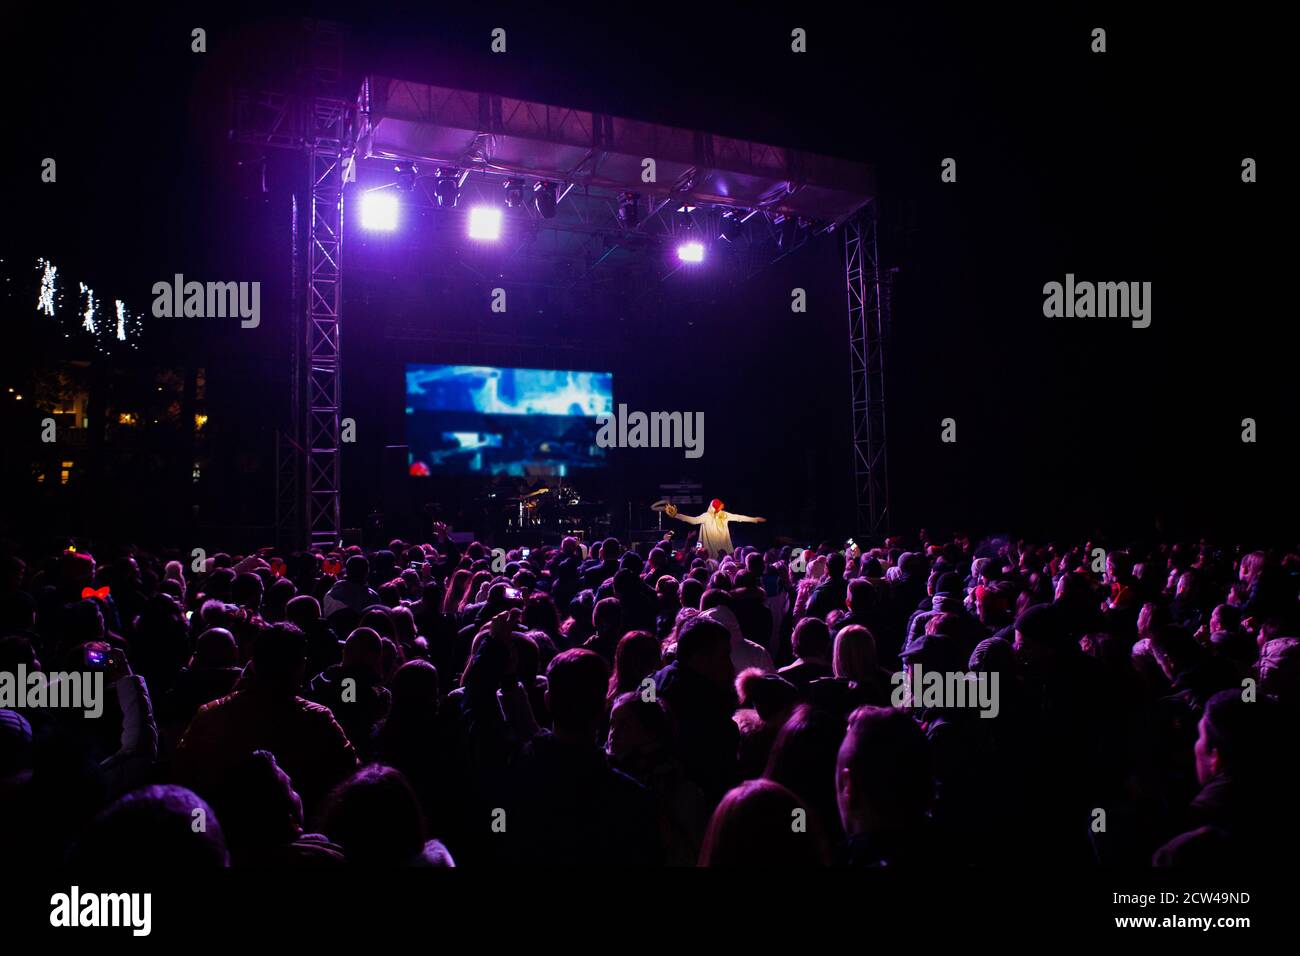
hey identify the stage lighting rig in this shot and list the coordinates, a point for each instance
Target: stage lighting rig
(544, 199)
(732, 226)
(514, 193)
(406, 173)
(628, 213)
(446, 188)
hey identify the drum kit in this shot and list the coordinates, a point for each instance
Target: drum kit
(557, 510)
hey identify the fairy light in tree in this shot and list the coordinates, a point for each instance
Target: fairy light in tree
(121, 319)
(49, 280)
(88, 317)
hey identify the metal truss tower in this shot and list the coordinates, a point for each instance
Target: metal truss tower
(319, 124)
(867, 327)
(324, 301)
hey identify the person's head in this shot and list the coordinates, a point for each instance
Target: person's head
(415, 689)
(636, 657)
(455, 590)
(1152, 617)
(378, 618)
(357, 569)
(154, 830)
(803, 758)
(835, 565)
(83, 621)
(540, 614)
(715, 597)
(1251, 566)
(854, 656)
(690, 592)
(17, 753)
(666, 589)
(755, 826)
(610, 549)
(279, 657)
(215, 647)
(246, 591)
(1279, 670)
(1174, 649)
(1225, 618)
(883, 773)
(257, 802)
(403, 621)
(363, 651)
(715, 506)
(1119, 568)
(862, 595)
(278, 597)
(607, 617)
(375, 817)
(812, 640)
(1228, 736)
(1037, 633)
(637, 727)
(704, 646)
(302, 611)
(577, 681)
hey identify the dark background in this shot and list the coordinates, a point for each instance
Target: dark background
(1123, 166)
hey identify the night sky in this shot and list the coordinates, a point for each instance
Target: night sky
(1122, 166)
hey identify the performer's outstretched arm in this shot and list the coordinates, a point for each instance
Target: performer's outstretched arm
(744, 519)
(672, 512)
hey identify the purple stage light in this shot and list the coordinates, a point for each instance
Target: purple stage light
(485, 223)
(379, 211)
(691, 252)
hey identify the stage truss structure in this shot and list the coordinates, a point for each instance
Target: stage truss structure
(868, 325)
(770, 199)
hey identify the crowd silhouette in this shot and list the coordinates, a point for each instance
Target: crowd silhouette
(433, 705)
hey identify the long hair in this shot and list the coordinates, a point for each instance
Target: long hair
(455, 591)
(637, 656)
(757, 825)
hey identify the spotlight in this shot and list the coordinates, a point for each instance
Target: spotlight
(406, 174)
(514, 190)
(446, 189)
(731, 226)
(379, 210)
(691, 252)
(485, 222)
(628, 214)
(544, 198)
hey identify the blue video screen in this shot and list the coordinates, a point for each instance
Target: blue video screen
(479, 419)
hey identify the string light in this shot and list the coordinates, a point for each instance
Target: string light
(88, 316)
(49, 279)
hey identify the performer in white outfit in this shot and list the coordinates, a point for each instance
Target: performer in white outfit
(713, 526)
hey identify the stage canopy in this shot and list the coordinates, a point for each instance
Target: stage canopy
(406, 121)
